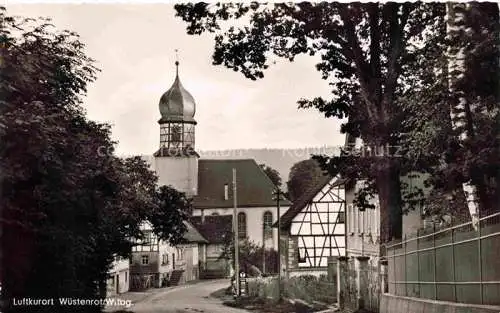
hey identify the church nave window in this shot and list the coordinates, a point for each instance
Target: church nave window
(268, 224)
(242, 225)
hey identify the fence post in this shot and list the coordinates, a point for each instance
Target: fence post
(383, 268)
(480, 263)
(341, 281)
(435, 258)
(453, 265)
(395, 279)
(406, 268)
(362, 281)
(418, 262)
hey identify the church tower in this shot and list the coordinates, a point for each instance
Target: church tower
(176, 161)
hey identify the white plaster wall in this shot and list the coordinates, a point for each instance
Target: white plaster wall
(368, 222)
(165, 248)
(214, 251)
(255, 219)
(195, 248)
(179, 172)
(120, 265)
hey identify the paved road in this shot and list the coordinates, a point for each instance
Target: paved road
(186, 299)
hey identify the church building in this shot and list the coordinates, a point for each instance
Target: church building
(209, 182)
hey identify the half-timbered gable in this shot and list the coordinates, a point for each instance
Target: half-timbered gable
(314, 225)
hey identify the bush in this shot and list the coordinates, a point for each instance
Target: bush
(308, 288)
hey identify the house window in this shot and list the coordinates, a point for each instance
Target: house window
(164, 259)
(301, 255)
(145, 260)
(126, 276)
(341, 217)
(242, 225)
(268, 224)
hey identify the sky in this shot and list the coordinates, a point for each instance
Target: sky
(134, 46)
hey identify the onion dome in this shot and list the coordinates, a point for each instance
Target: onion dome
(177, 104)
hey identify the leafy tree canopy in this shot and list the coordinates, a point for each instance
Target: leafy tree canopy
(69, 205)
(303, 176)
(273, 174)
(378, 59)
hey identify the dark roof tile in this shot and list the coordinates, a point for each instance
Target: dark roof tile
(215, 227)
(255, 189)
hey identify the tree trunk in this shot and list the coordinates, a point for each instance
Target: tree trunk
(459, 108)
(389, 193)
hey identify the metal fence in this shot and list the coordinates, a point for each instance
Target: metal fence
(458, 264)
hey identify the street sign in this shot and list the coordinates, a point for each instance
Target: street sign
(243, 284)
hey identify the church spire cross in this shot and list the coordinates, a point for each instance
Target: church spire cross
(177, 61)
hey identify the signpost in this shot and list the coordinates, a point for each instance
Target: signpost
(243, 284)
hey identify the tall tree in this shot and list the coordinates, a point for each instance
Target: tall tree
(473, 63)
(303, 176)
(363, 47)
(273, 174)
(452, 132)
(69, 205)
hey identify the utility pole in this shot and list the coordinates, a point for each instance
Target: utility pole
(277, 194)
(236, 239)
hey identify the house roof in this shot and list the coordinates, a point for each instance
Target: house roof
(307, 197)
(254, 188)
(215, 227)
(192, 235)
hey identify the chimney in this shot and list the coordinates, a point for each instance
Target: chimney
(226, 192)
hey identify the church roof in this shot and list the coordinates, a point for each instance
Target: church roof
(215, 227)
(254, 188)
(177, 104)
(307, 197)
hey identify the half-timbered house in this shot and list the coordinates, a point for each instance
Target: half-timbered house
(156, 263)
(313, 229)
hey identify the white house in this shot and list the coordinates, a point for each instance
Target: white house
(119, 276)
